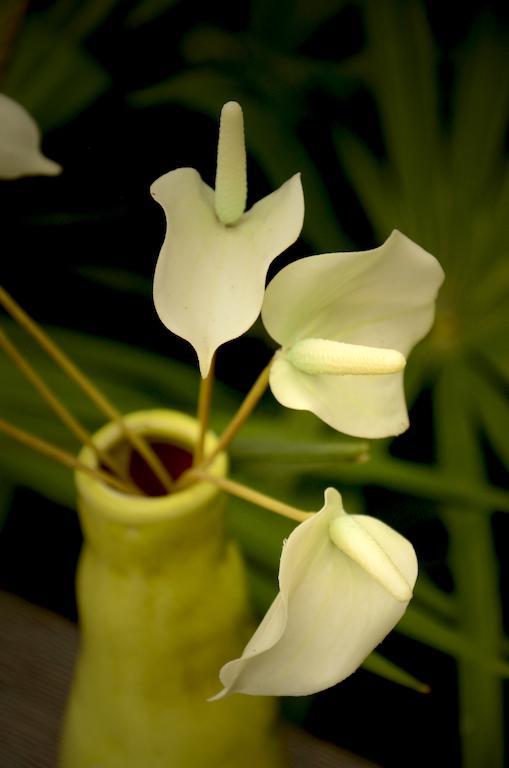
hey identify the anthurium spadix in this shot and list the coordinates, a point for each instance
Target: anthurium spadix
(210, 276)
(345, 581)
(20, 141)
(346, 323)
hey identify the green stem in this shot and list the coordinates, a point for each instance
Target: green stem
(249, 494)
(248, 405)
(204, 402)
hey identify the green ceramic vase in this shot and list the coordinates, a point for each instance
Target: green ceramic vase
(162, 605)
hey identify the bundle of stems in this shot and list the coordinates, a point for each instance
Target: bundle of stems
(109, 470)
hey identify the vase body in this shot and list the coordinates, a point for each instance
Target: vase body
(162, 605)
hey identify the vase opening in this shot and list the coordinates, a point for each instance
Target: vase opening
(173, 436)
(175, 458)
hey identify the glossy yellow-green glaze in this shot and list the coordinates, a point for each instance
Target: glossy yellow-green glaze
(162, 605)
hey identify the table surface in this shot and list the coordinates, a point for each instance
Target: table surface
(37, 651)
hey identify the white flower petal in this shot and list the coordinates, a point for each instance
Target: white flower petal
(329, 615)
(210, 278)
(20, 141)
(365, 406)
(381, 298)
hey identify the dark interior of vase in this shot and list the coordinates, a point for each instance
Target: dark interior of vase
(175, 458)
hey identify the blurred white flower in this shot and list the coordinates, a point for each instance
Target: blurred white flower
(20, 141)
(346, 322)
(345, 581)
(210, 276)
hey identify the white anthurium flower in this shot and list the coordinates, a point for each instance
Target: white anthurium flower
(20, 142)
(345, 581)
(210, 276)
(346, 322)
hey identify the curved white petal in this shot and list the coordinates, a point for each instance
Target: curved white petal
(365, 406)
(328, 616)
(381, 298)
(210, 278)
(20, 141)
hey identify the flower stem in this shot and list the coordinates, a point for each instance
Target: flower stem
(249, 494)
(77, 429)
(61, 359)
(251, 400)
(53, 452)
(204, 401)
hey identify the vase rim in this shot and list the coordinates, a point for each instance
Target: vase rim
(163, 424)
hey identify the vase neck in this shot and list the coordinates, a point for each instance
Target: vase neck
(194, 531)
(138, 530)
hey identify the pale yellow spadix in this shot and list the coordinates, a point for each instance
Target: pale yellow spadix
(231, 177)
(323, 356)
(355, 541)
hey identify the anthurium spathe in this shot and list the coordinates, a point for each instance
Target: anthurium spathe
(210, 275)
(346, 322)
(20, 140)
(345, 581)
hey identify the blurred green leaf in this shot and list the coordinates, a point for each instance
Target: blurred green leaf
(260, 535)
(431, 597)
(448, 188)
(145, 11)
(482, 88)
(419, 625)
(498, 356)
(382, 667)
(79, 20)
(402, 58)
(41, 475)
(52, 75)
(474, 565)
(374, 184)
(295, 21)
(416, 479)
(493, 410)
(296, 453)
(117, 279)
